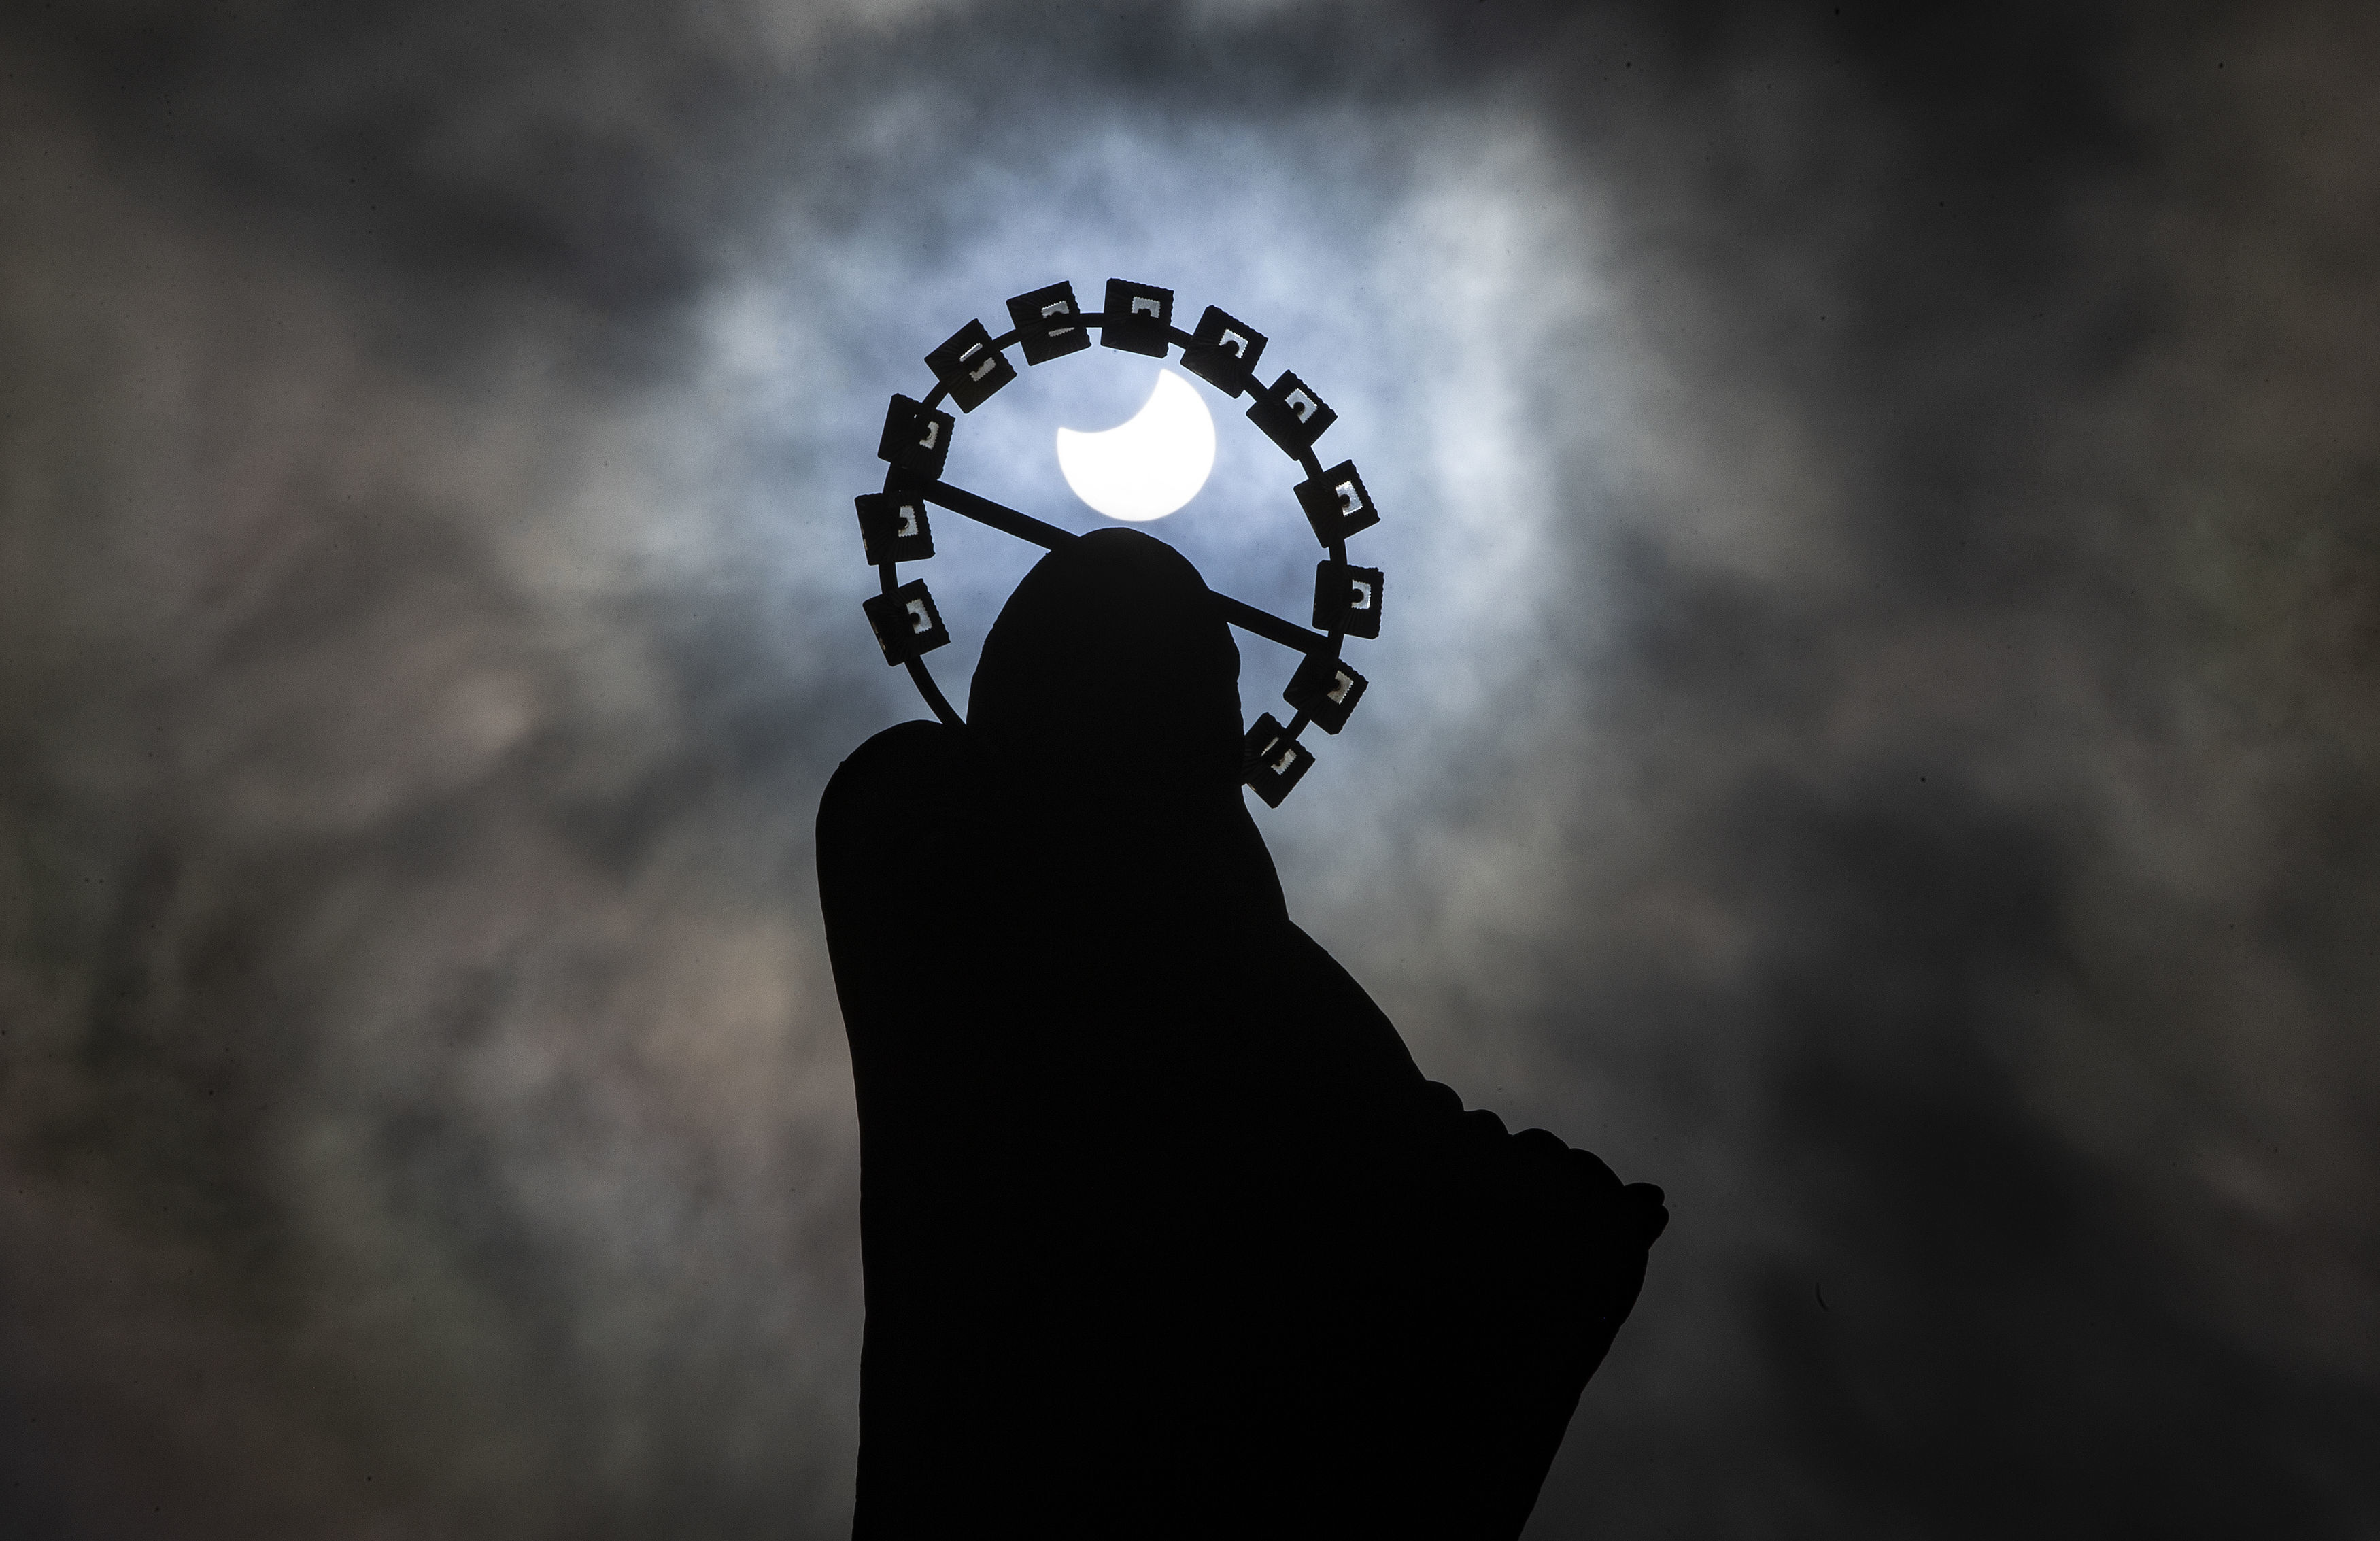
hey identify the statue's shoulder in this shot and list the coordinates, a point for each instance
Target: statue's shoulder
(903, 775)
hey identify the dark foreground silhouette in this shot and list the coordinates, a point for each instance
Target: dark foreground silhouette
(1164, 1233)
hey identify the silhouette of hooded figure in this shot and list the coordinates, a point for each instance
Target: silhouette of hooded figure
(1164, 1233)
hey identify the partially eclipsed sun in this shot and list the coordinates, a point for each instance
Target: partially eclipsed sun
(1150, 464)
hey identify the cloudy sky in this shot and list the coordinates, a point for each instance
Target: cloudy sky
(1878, 729)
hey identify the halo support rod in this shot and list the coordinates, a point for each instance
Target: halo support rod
(1272, 628)
(983, 511)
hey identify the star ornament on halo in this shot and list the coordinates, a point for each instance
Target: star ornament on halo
(1048, 324)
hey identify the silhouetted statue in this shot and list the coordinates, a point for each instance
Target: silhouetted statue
(1164, 1233)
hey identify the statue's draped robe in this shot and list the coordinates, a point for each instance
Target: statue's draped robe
(1164, 1233)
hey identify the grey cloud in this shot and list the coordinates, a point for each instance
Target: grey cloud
(1874, 732)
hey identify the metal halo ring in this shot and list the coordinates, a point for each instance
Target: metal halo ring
(972, 365)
